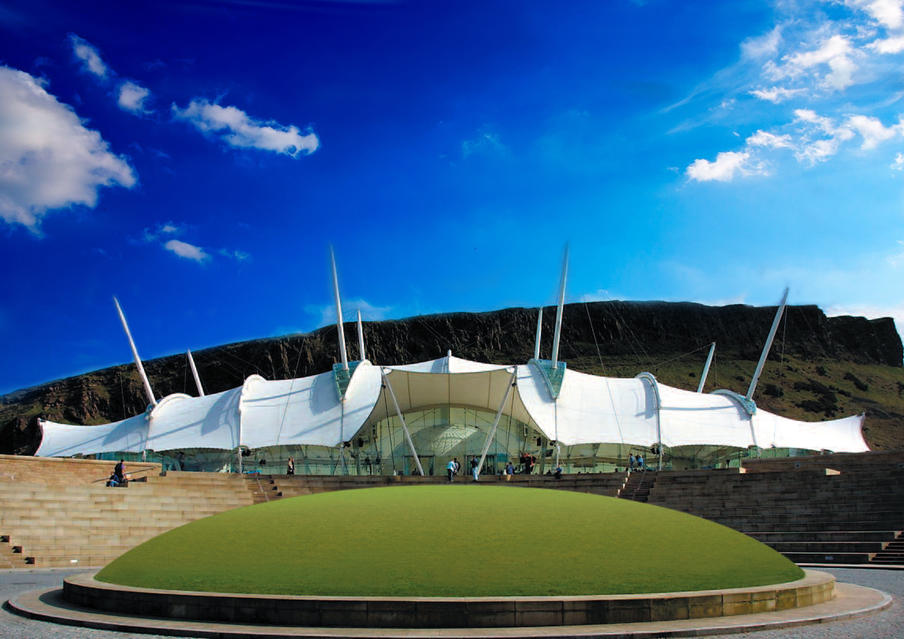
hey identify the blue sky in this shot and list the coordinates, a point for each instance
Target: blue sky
(197, 159)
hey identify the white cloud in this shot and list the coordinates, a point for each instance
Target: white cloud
(237, 129)
(898, 164)
(48, 159)
(888, 45)
(763, 46)
(888, 13)
(186, 250)
(872, 130)
(724, 168)
(770, 140)
(132, 97)
(776, 95)
(835, 53)
(89, 57)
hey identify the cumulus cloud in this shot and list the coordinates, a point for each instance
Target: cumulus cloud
(237, 129)
(836, 53)
(898, 164)
(88, 55)
(872, 130)
(888, 45)
(132, 97)
(888, 13)
(186, 250)
(48, 159)
(726, 166)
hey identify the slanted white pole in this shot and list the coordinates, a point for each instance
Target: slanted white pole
(194, 372)
(539, 331)
(395, 403)
(772, 331)
(709, 360)
(557, 334)
(343, 355)
(486, 446)
(360, 338)
(144, 377)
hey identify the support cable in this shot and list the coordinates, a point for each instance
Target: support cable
(593, 332)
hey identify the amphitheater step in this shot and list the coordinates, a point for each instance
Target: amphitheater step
(893, 553)
(829, 558)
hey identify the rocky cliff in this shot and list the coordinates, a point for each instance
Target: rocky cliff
(819, 366)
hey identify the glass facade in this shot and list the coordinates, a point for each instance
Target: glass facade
(442, 433)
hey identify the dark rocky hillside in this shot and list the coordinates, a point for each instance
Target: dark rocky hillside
(819, 367)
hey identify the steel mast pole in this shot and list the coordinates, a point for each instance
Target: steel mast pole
(144, 377)
(360, 338)
(557, 334)
(709, 360)
(539, 332)
(342, 353)
(194, 372)
(772, 331)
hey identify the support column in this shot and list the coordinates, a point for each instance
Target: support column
(395, 403)
(486, 447)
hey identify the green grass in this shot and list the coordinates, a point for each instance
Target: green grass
(457, 540)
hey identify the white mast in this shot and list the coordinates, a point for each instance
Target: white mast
(194, 372)
(762, 362)
(709, 360)
(539, 330)
(343, 355)
(360, 338)
(556, 335)
(144, 377)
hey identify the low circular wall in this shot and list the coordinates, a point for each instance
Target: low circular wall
(453, 612)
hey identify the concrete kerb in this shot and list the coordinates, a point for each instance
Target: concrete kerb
(445, 612)
(850, 601)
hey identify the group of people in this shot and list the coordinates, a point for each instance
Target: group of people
(118, 478)
(636, 462)
(454, 467)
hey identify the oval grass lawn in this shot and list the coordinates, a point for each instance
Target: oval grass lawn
(450, 540)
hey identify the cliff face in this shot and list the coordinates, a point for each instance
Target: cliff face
(614, 338)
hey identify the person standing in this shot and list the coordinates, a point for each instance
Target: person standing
(509, 468)
(640, 461)
(450, 469)
(290, 466)
(475, 468)
(457, 465)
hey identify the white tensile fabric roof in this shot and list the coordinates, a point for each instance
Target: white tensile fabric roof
(590, 409)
